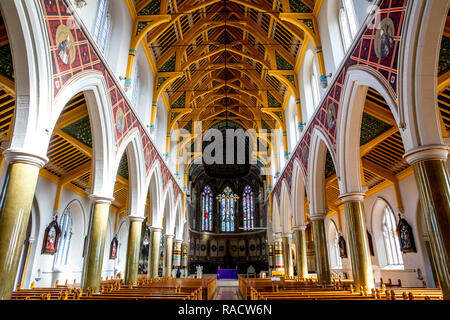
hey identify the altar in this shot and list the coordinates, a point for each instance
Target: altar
(227, 274)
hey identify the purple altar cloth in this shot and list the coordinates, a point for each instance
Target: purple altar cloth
(227, 274)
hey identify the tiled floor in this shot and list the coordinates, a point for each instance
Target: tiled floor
(227, 290)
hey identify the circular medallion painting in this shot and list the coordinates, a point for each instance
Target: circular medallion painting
(331, 116)
(203, 247)
(221, 248)
(213, 248)
(252, 247)
(233, 248)
(65, 45)
(384, 38)
(120, 120)
(242, 248)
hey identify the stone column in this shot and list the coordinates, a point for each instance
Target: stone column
(429, 164)
(133, 250)
(169, 252)
(153, 256)
(184, 259)
(93, 260)
(358, 242)
(278, 255)
(300, 246)
(321, 249)
(16, 201)
(287, 255)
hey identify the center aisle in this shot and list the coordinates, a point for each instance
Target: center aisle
(227, 290)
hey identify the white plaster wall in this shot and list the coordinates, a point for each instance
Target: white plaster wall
(43, 265)
(88, 14)
(160, 132)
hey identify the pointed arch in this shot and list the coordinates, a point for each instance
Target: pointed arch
(132, 144)
(276, 219)
(103, 139)
(154, 188)
(298, 193)
(348, 127)
(286, 208)
(167, 210)
(319, 146)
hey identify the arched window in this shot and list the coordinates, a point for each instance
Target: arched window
(62, 254)
(333, 245)
(347, 23)
(227, 202)
(102, 25)
(207, 209)
(248, 208)
(391, 241)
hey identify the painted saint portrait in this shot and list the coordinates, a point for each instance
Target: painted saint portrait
(51, 238)
(384, 38)
(113, 248)
(65, 45)
(405, 236)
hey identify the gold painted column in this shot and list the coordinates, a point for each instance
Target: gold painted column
(300, 245)
(169, 252)
(429, 164)
(134, 245)
(321, 249)
(287, 255)
(93, 260)
(153, 256)
(177, 254)
(270, 257)
(184, 259)
(278, 256)
(16, 201)
(358, 242)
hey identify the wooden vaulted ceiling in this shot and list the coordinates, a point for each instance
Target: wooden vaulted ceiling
(225, 50)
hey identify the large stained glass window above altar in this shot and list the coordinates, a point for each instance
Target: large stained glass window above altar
(227, 201)
(207, 209)
(247, 206)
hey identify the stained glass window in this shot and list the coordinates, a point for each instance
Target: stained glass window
(248, 207)
(207, 209)
(227, 202)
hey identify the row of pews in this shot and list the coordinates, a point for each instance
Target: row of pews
(114, 289)
(293, 288)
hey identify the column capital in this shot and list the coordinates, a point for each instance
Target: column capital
(299, 228)
(424, 153)
(100, 199)
(135, 218)
(351, 197)
(178, 241)
(155, 229)
(169, 235)
(287, 235)
(12, 156)
(317, 217)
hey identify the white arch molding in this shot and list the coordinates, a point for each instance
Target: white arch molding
(348, 126)
(132, 143)
(316, 171)
(286, 209)
(102, 126)
(418, 72)
(28, 39)
(298, 194)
